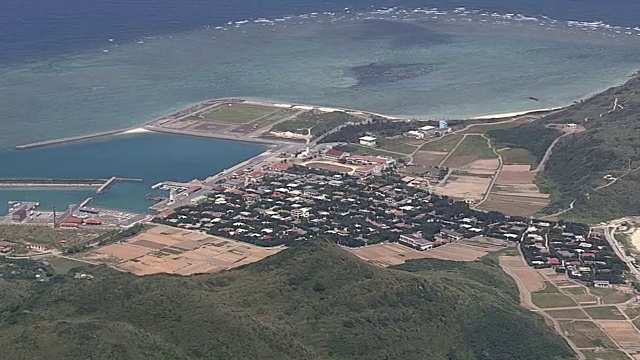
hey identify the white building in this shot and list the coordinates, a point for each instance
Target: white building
(368, 141)
(415, 134)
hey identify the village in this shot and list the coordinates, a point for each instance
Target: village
(287, 203)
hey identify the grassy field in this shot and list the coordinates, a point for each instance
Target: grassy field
(580, 294)
(312, 301)
(316, 123)
(365, 150)
(611, 296)
(63, 265)
(445, 144)
(23, 234)
(550, 297)
(484, 128)
(568, 314)
(238, 113)
(632, 311)
(586, 334)
(330, 167)
(605, 354)
(605, 313)
(475, 145)
(396, 146)
(518, 156)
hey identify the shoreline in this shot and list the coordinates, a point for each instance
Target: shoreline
(148, 128)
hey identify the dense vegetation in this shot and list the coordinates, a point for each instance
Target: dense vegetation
(377, 126)
(521, 137)
(610, 145)
(312, 301)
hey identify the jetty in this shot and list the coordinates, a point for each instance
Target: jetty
(107, 184)
(70, 139)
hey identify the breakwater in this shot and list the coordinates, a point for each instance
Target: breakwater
(69, 139)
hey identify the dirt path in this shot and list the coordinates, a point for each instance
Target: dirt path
(526, 302)
(495, 176)
(452, 150)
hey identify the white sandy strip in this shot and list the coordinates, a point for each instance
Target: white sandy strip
(511, 114)
(137, 131)
(635, 239)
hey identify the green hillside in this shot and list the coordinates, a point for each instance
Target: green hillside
(610, 145)
(312, 301)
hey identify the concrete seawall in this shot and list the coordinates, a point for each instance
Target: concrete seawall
(70, 139)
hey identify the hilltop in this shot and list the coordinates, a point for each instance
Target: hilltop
(596, 167)
(311, 301)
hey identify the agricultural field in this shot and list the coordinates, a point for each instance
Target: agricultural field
(175, 251)
(605, 354)
(515, 192)
(396, 145)
(605, 312)
(551, 297)
(467, 187)
(580, 295)
(632, 310)
(567, 314)
(473, 147)
(622, 332)
(389, 254)
(428, 158)
(586, 334)
(611, 296)
(518, 156)
(444, 144)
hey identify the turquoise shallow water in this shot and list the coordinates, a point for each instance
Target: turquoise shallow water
(151, 157)
(420, 67)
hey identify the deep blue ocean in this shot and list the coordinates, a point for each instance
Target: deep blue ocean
(38, 29)
(70, 67)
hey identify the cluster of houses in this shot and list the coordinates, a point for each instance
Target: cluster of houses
(572, 249)
(365, 164)
(290, 203)
(300, 204)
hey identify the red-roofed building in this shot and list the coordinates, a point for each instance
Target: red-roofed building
(19, 215)
(334, 154)
(282, 166)
(554, 261)
(93, 222)
(5, 247)
(72, 220)
(195, 188)
(588, 255)
(69, 225)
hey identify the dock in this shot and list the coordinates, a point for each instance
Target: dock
(107, 184)
(69, 139)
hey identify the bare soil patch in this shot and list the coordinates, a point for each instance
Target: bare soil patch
(199, 253)
(487, 166)
(465, 187)
(428, 158)
(622, 332)
(529, 277)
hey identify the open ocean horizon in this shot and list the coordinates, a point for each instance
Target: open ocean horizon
(69, 68)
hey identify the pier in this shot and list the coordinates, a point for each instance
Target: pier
(69, 139)
(107, 184)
